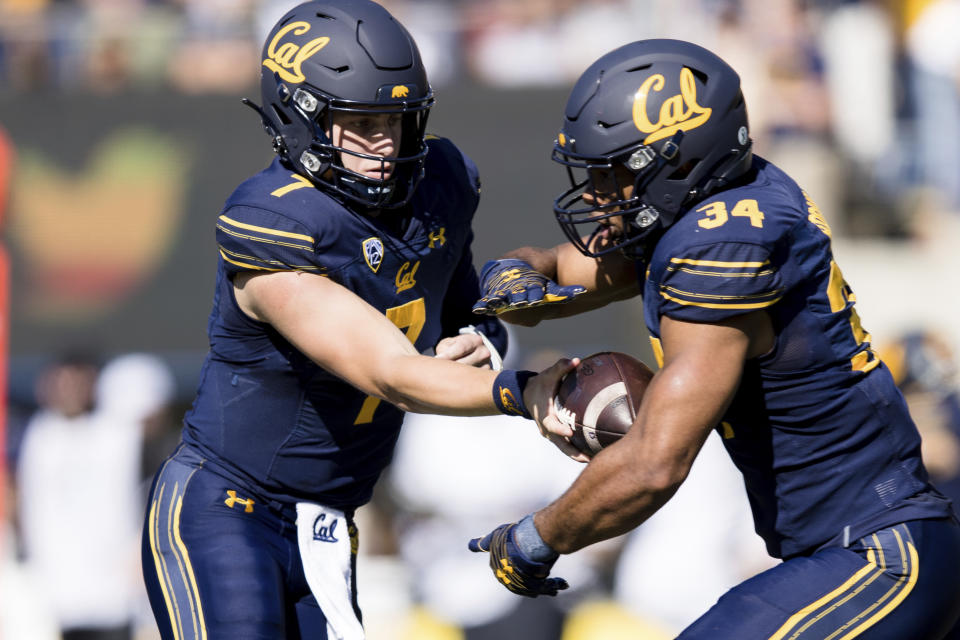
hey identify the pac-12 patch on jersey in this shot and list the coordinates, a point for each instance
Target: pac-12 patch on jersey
(373, 253)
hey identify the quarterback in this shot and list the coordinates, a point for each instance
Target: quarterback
(757, 336)
(339, 264)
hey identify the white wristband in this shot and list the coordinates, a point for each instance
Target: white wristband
(496, 362)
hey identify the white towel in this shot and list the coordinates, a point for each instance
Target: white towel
(327, 562)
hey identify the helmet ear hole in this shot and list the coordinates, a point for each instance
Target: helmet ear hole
(684, 170)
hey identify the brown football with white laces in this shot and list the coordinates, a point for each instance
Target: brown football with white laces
(600, 398)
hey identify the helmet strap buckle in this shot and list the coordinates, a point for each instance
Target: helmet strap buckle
(671, 147)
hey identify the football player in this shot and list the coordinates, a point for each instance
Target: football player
(338, 264)
(756, 334)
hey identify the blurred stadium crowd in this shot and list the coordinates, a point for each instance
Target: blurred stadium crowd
(858, 100)
(861, 90)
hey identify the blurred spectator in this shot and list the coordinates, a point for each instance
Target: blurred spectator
(454, 477)
(435, 25)
(512, 44)
(590, 28)
(924, 366)
(933, 52)
(217, 53)
(78, 483)
(137, 389)
(857, 41)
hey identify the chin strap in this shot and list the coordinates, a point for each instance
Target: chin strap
(279, 146)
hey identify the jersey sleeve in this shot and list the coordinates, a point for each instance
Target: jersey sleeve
(456, 171)
(254, 239)
(709, 283)
(462, 292)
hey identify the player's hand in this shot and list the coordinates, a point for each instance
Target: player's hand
(467, 348)
(539, 397)
(509, 284)
(513, 569)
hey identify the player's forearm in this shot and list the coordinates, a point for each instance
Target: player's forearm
(422, 384)
(614, 494)
(628, 482)
(542, 260)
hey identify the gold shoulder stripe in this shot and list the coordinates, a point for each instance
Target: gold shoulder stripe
(280, 265)
(718, 263)
(247, 264)
(272, 232)
(264, 240)
(681, 292)
(723, 274)
(726, 305)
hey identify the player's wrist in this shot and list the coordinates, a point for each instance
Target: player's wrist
(508, 390)
(530, 544)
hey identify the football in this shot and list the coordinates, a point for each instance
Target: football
(600, 398)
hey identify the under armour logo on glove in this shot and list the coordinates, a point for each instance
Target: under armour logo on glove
(513, 569)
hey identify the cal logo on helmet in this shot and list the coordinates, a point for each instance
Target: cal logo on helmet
(286, 59)
(679, 112)
(373, 253)
(400, 91)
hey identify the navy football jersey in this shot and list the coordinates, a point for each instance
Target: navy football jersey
(265, 415)
(817, 427)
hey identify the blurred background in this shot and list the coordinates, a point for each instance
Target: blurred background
(122, 132)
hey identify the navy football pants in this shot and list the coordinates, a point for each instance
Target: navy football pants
(220, 564)
(900, 583)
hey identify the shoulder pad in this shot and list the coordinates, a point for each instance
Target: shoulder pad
(710, 282)
(251, 238)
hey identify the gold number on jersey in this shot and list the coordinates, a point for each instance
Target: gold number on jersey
(715, 213)
(840, 294)
(748, 209)
(299, 182)
(409, 317)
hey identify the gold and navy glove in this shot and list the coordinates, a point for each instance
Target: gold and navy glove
(512, 563)
(509, 284)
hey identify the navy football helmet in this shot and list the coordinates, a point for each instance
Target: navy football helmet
(672, 114)
(333, 56)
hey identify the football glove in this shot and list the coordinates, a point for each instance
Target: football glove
(508, 284)
(513, 569)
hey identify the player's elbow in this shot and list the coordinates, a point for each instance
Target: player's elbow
(396, 383)
(660, 475)
(663, 480)
(392, 390)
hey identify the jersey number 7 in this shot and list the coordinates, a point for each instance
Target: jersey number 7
(410, 317)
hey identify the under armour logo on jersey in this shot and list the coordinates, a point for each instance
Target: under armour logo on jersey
(677, 113)
(404, 279)
(286, 59)
(437, 238)
(323, 531)
(373, 253)
(232, 499)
